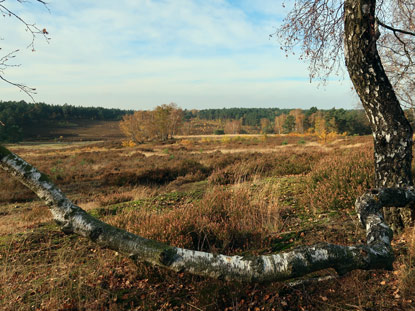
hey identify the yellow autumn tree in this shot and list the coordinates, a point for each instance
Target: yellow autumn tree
(325, 131)
(279, 122)
(299, 120)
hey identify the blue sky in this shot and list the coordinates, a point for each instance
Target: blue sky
(137, 54)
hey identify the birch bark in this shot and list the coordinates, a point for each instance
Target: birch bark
(391, 130)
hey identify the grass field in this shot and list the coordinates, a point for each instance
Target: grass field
(223, 194)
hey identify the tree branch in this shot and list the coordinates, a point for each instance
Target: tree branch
(24, 88)
(395, 29)
(376, 254)
(34, 31)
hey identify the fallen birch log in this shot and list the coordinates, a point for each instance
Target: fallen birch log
(375, 254)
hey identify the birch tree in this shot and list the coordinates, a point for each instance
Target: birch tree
(331, 32)
(279, 122)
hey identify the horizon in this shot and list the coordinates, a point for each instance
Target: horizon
(187, 109)
(141, 54)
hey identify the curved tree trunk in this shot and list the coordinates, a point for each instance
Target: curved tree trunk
(391, 130)
(376, 254)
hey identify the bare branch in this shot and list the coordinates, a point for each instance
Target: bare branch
(24, 88)
(316, 27)
(395, 29)
(31, 28)
(34, 32)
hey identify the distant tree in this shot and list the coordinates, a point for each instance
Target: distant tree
(319, 122)
(266, 126)
(162, 123)
(279, 122)
(159, 123)
(176, 117)
(289, 124)
(137, 126)
(233, 126)
(299, 120)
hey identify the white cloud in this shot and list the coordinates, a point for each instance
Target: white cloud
(198, 53)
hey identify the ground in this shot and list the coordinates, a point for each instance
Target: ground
(224, 194)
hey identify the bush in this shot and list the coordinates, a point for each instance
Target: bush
(337, 180)
(157, 174)
(12, 191)
(114, 198)
(219, 132)
(225, 220)
(238, 168)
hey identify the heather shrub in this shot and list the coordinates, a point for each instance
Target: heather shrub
(226, 220)
(406, 272)
(188, 178)
(238, 169)
(114, 198)
(69, 168)
(12, 191)
(338, 179)
(157, 174)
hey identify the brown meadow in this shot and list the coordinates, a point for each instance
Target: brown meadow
(232, 195)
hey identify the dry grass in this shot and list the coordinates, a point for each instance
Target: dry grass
(406, 270)
(267, 195)
(337, 180)
(224, 220)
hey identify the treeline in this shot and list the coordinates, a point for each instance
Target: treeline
(250, 116)
(15, 116)
(275, 120)
(18, 118)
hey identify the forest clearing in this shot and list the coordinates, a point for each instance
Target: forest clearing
(271, 194)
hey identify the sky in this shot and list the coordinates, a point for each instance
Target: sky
(138, 54)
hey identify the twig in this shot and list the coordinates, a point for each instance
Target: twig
(190, 305)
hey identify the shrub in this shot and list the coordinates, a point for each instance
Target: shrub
(406, 271)
(12, 191)
(114, 198)
(128, 143)
(225, 220)
(157, 174)
(238, 168)
(219, 132)
(338, 179)
(186, 142)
